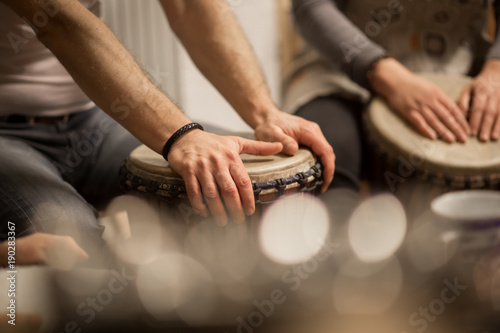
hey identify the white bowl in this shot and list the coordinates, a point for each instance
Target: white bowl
(478, 207)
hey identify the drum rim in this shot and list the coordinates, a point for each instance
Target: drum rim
(132, 179)
(434, 170)
(427, 170)
(145, 162)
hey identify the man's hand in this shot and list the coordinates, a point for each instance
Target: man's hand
(423, 103)
(59, 251)
(210, 164)
(217, 45)
(291, 131)
(481, 101)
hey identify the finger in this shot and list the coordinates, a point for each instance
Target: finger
(244, 184)
(455, 111)
(211, 194)
(258, 147)
(64, 250)
(195, 196)
(276, 134)
(81, 255)
(495, 134)
(419, 122)
(488, 120)
(230, 194)
(447, 117)
(464, 100)
(436, 124)
(314, 138)
(476, 111)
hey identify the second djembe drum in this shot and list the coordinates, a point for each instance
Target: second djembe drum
(418, 169)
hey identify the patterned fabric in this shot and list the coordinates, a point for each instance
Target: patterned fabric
(345, 37)
(437, 35)
(308, 181)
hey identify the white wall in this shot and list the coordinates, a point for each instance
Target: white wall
(141, 25)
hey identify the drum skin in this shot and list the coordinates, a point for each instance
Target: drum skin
(148, 166)
(474, 164)
(417, 169)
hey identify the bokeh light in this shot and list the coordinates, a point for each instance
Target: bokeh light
(377, 228)
(175, 282)
(36, 305)
(132, 228)
(430, 246)
(294, 229)
(372, 294)
(230, 253)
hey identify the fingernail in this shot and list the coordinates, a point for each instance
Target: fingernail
(221, 222)
(434, 135)
(484, 137)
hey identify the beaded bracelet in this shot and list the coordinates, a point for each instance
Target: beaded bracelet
(176, 136)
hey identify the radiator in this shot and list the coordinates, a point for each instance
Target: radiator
(142, 27)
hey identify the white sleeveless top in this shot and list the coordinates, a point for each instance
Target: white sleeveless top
(32, 80)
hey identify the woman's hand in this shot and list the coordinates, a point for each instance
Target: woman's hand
(481, 102)
(423, 103)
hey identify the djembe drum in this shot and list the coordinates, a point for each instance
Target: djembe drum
(418, 169)
(146, 172)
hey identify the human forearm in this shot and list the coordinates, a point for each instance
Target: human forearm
(218, 47)
(491, 68)
(105, 71)
(387, 76)
(326, 28)
(494, 52)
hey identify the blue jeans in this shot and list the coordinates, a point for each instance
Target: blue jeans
(53, 175)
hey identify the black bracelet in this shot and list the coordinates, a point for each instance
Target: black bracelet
(176, 136)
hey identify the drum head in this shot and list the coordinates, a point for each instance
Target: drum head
(398, 138)
(152, 170)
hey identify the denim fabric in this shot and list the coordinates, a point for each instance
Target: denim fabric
(53, 175)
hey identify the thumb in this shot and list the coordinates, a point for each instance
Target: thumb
(290, 146)
(259, 147)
